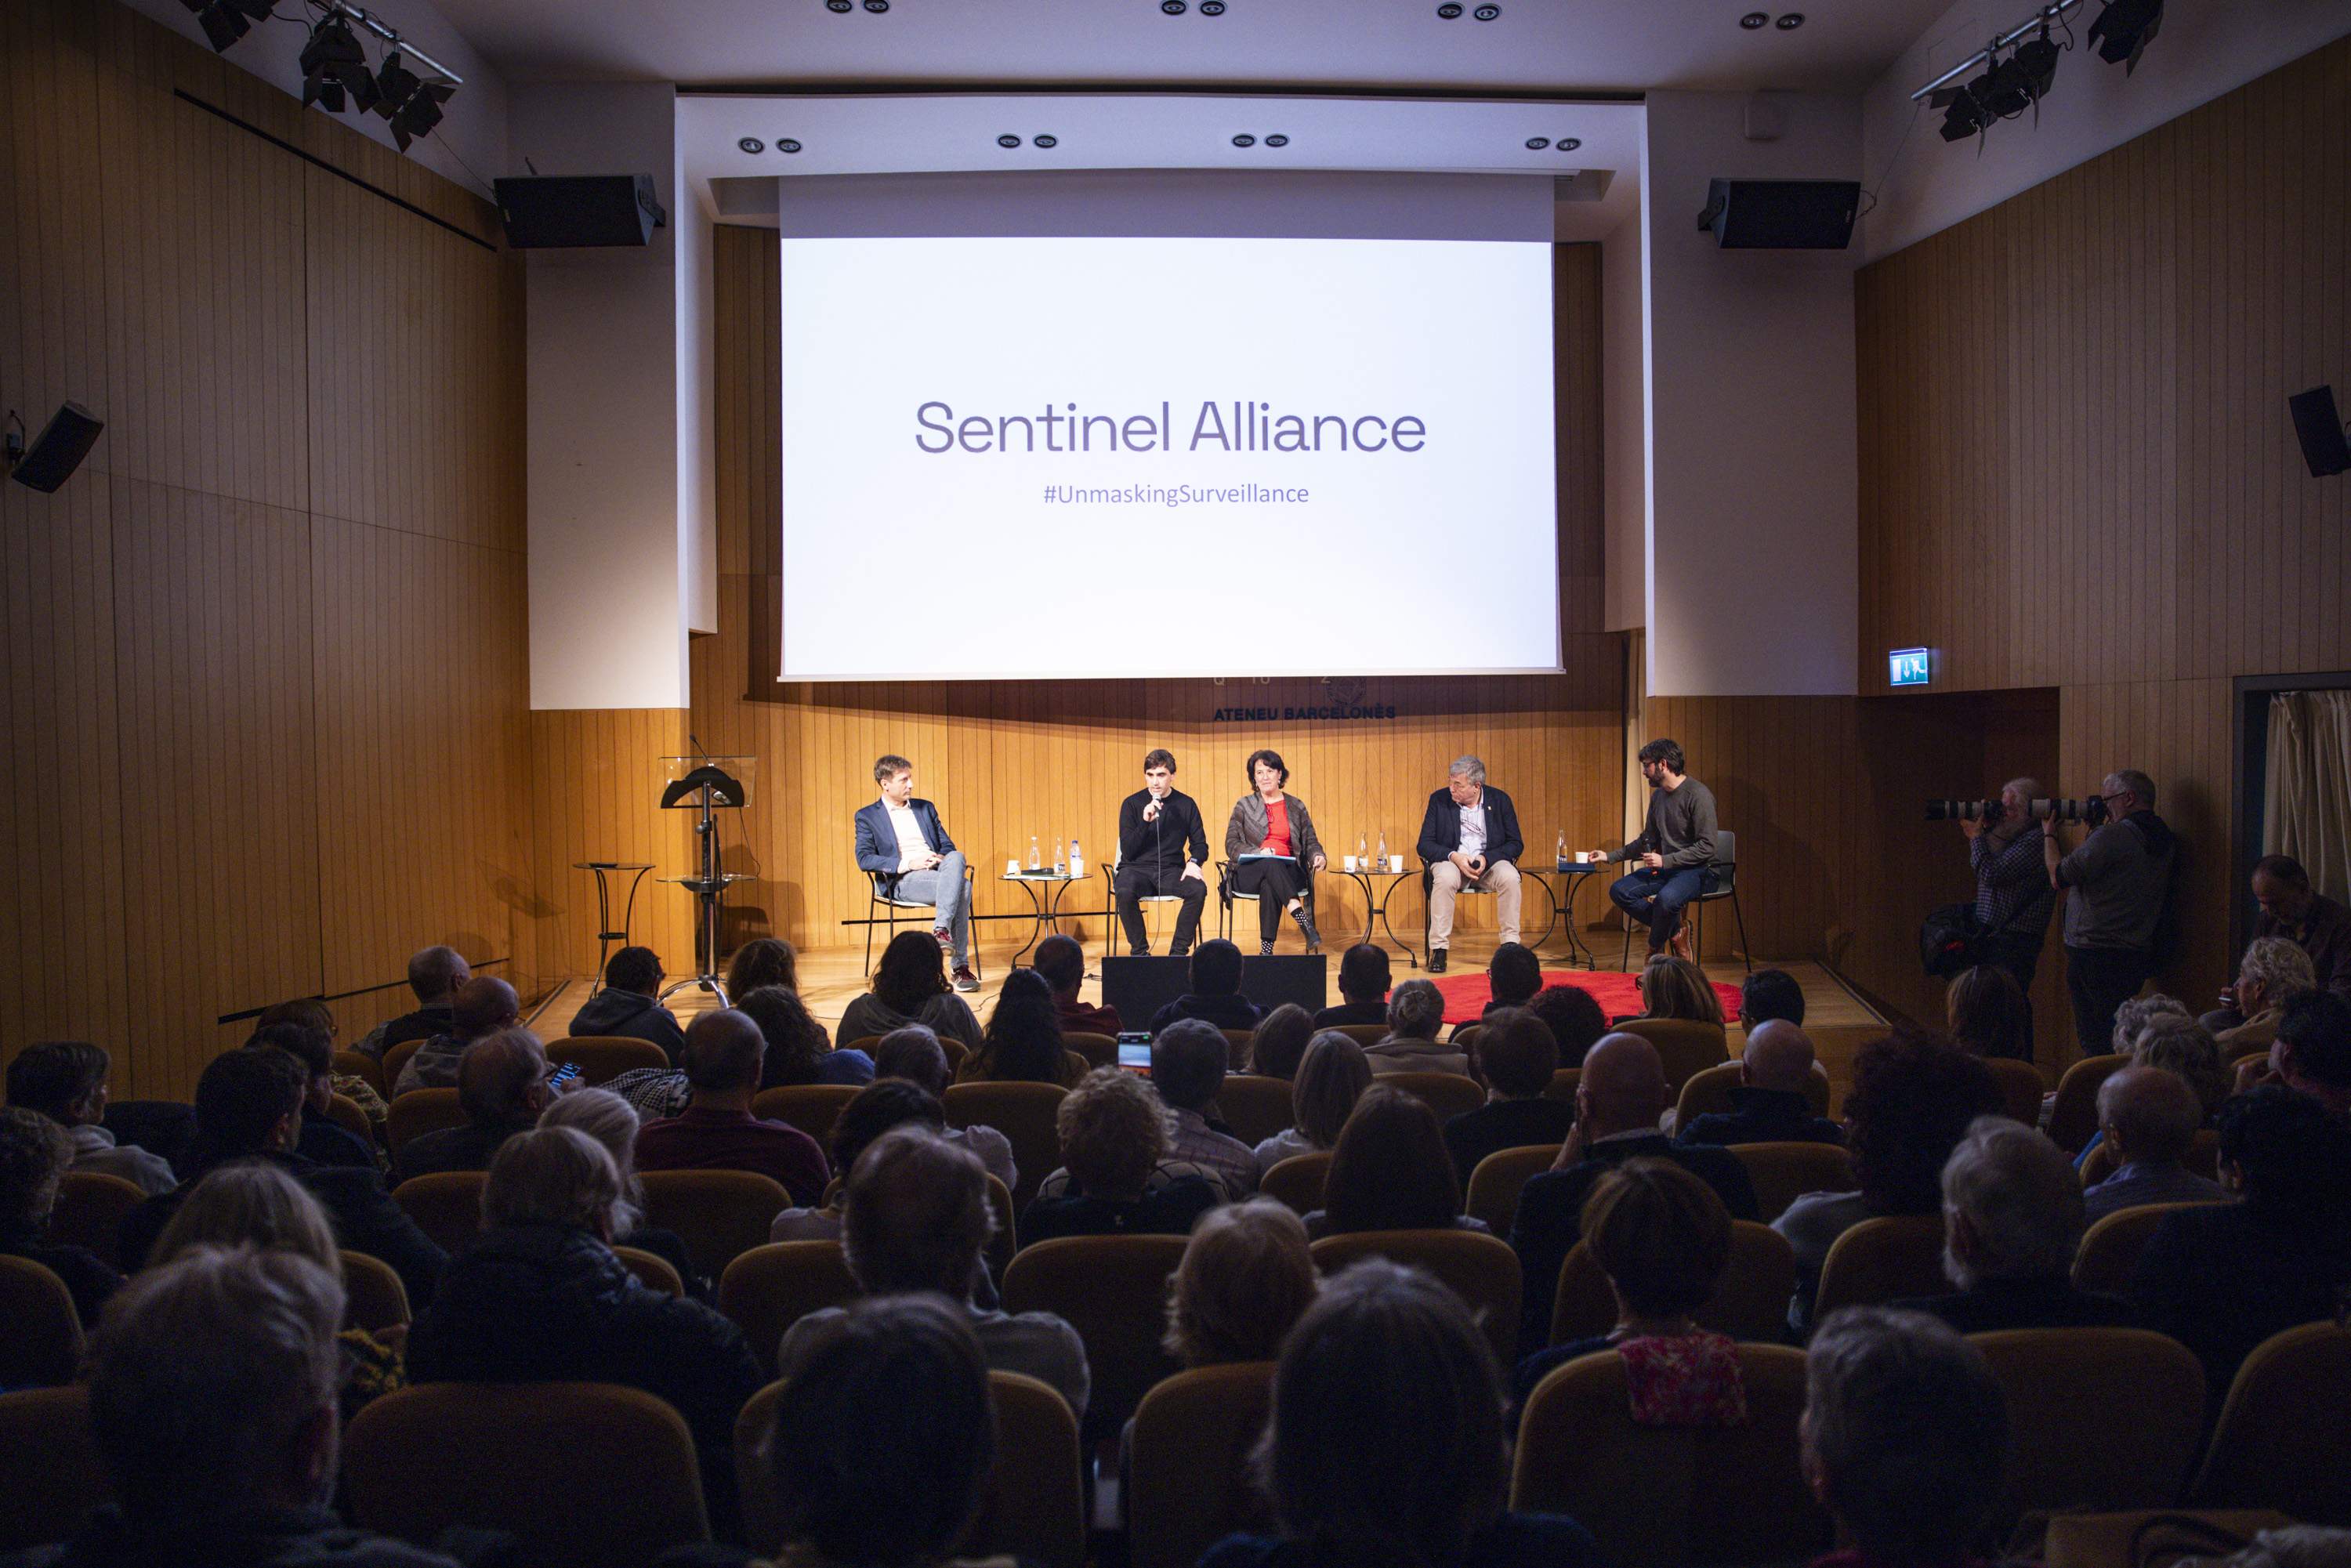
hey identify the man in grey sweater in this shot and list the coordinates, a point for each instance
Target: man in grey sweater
(1674, 852)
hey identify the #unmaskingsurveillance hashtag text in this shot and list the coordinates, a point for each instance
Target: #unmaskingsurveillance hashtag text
(1177, 495)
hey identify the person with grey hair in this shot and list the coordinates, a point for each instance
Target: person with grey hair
(2011, 1224)
(2151, 1117)
(502, 1087)
(914, 1053)
(433, 975)
(481, 1007)
(2272, 972)
(2014, 895)
(2134, 1016)
(214, 1397)
(1904, 1435)
(540, 1298)
(1187, 1067)
(1416, 1012)
(914, 1217)
(612, 1122)
(1469, 839)
(2118, 883)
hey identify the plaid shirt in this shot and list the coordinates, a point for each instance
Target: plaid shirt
(1232, 1162)
(2013, 891)
(657, 1092)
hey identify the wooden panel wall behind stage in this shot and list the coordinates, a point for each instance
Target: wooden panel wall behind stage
(266, 725)
(2078, 469)
(1010, 759)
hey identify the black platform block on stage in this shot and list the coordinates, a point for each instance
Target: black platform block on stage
(1139, 988)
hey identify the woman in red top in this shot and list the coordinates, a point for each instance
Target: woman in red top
(1267, 822)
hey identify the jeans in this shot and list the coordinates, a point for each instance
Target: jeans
(946, 887)
(1657, 898)
(1136, 883)
(2099, 980)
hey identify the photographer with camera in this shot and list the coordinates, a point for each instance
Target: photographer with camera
(2118, 878)
(2014, 896)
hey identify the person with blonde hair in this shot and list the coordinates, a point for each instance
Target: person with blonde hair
(613, 1123)
(1247, 1277)
(1332, 1076)
(1674, 987)
(1115, 1134)
(2135, 1013)
(249, 1204)
(2274, 972)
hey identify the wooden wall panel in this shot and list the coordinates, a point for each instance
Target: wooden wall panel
(1007, 760)
(596, 784)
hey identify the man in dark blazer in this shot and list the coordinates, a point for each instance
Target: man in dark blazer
(1469, 838)
(905, 847)
(1617, 1102)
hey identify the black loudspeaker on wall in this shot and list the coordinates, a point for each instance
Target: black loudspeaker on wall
(1782, 214)
(57, 451)
(555, 212)
(2319, 423)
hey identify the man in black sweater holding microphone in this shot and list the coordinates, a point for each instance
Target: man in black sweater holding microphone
(1162, 846)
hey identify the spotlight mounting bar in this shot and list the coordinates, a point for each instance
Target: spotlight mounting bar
(409, 51)
(2040, 18)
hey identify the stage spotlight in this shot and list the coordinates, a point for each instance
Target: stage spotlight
(1967, 116)
(333, 64)
(394, 83)
(222, 25)
(421, 113)
(2124, 29)
(2019, 81)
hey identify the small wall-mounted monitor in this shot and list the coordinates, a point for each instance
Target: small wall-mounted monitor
(1907, 667)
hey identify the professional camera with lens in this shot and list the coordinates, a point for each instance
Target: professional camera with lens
(2091, 812)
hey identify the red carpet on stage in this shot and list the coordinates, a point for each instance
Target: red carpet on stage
(1466, 996)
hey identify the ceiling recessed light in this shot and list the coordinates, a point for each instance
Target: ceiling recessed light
(1045, 140)
(1277, 139)
(1754, 19)
(1173, 7)
(1008, 142)
(1791, 21)
(1486, 13)
(1570, 143)
(1449, 10)
(786, 144)
(1244, 140)
(752, 144)
(841, 7)
(1537, 143)
(1212, 7)
(877, 6)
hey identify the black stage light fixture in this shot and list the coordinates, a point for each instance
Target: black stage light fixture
(223, 26)
(1967, 115)
(421, 113)
(2124, 29)
(333, 64)
(394, 83)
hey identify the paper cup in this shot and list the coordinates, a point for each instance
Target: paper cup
(1395, 862)
(1348, 861)
(1012, 866)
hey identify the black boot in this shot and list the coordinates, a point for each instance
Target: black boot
(1304, 915)
(1437, 960)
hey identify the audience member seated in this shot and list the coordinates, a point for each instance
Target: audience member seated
(1771, 1103)
(1518, 1054)
(2222, 1278)
(914, 1054)
(614, 1122)
(483, 1006)
(1513, 976)
(1216, 994)
(1618, 1103)
(2178, 1044)
(1280, 1042)
(65, 1080)
(312, 1013)
(881, 1106)
(502, 1088)
(1576, 1020)
(1115, 1139)
(226, 1457)
(1386, 1443)
(1332, 1077)
(1389, 1171)
(798, 1049)
(2317, 924)
(35, 1154)
(1362, 988)
(1188, 1069)
(628, 1006)
(1769, 993)
(1662, 1239)
(540, 1298)
(914, 1217)
(910, 985)
(1904, 1438)
(2150, 1117)
(1022, 1043)
(1675, 987)
(1914, 1097)
(322, 1139)
(1063, 962)
(253, 1205)
(716, 1131)
(2011, 1224)
(2136, 1014)
(1416, 1012)
(1247, 1277)
(2272, 972)
(435, 975)
(2312, 1054)
(762, 961)
(249, 1106)
(895, 1390)
(1988, 1014)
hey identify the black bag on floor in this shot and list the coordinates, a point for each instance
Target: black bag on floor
(1950, 940)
